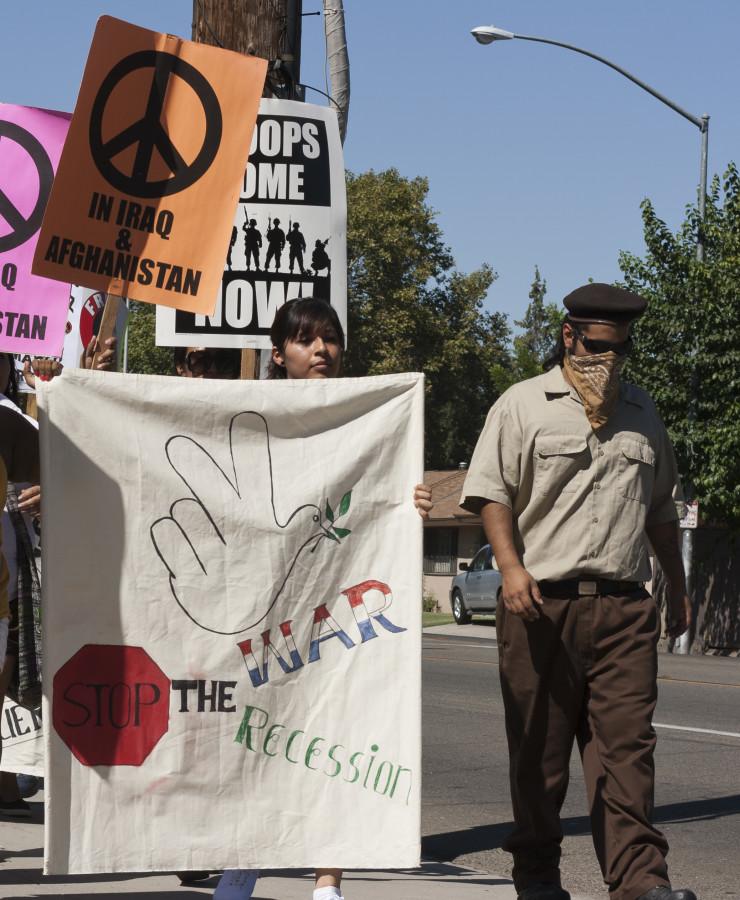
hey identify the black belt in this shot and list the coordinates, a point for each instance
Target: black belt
(588, 587)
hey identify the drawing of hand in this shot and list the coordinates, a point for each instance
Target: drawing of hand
(229, 549)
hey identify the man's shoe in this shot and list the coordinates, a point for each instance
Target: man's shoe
(548, 891)
(665, 893)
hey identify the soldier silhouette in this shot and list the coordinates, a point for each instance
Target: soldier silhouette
(231, 246)
(275, 244)
(252, 243)
(319, 258)
(297, 247)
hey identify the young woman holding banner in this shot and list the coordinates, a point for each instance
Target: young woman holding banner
(307, 342)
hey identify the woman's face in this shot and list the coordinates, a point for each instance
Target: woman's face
(5, 365)
(311, 356)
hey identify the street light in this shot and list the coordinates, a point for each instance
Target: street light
(488, 34)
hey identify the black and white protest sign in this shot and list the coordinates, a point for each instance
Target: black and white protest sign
(289, 237)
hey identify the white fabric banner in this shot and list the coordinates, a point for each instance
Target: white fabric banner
(232, 580)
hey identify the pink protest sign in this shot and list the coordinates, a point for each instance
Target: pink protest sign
(33, 310)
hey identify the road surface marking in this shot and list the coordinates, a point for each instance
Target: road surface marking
(734, 734)
(691, 681)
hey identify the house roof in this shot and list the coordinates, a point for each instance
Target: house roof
(446, 485)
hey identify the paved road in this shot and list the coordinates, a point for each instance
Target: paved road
(466, 808)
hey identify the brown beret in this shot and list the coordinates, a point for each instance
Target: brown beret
(604, 303)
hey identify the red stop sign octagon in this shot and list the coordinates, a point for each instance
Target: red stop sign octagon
(111, 705)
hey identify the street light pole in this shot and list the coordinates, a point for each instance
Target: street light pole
(487, 34)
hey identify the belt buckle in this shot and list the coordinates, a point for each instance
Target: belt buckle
(588, 588)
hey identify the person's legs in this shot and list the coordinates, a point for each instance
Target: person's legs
(328, 884)
(236, 884)
(617, 741)
(542, 683)
(11, 803)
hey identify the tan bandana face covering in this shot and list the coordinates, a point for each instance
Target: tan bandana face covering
(596, 379)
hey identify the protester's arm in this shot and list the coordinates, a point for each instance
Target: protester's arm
(665, 540)
(19, 446)
(423, 500)
(490, 489)
(519, 590)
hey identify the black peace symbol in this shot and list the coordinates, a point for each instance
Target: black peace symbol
(149, 133)
(21, 227)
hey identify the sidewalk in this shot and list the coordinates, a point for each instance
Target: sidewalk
(21, 860)
(483, 630)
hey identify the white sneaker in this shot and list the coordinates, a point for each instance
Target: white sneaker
(327, 893)
(236, 884)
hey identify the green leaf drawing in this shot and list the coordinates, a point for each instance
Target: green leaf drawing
(329, 512)
(342, 532)
(330, 535)
(344, 505)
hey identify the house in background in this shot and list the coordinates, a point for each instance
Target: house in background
(451, 535)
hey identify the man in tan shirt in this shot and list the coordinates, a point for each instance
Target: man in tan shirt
(572, 475)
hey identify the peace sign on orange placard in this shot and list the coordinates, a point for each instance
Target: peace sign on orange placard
(145, 193)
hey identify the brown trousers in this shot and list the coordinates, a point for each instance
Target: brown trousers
(586, 669)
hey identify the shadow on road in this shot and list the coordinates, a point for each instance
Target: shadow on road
(452, 844)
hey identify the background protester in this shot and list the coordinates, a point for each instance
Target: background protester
(20, 544)
(19, 466)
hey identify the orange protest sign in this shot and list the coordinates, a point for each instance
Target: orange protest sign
(144, 197)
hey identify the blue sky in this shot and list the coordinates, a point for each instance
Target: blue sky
(535, 155)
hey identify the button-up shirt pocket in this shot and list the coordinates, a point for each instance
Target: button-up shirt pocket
(637, 470)
(560, 463)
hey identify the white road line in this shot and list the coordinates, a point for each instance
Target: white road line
(734, 734)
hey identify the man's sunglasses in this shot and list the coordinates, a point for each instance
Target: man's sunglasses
(595, 346)
(225, 361)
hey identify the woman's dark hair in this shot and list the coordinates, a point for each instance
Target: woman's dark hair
(304, 316)
(11, 391)
(558, 354)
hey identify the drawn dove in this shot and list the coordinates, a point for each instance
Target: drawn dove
(229, 553)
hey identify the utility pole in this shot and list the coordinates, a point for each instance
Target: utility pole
(336, 53)
(270, 29)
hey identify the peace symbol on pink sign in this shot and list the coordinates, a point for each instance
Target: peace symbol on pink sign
(33, 310)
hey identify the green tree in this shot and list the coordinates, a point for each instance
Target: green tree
(540, 330)
(411, 310)
(687, 345)
(144, 357)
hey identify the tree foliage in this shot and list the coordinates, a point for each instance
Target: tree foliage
(687, 352)
(541, 327)
(144, 357)
(411, 310)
